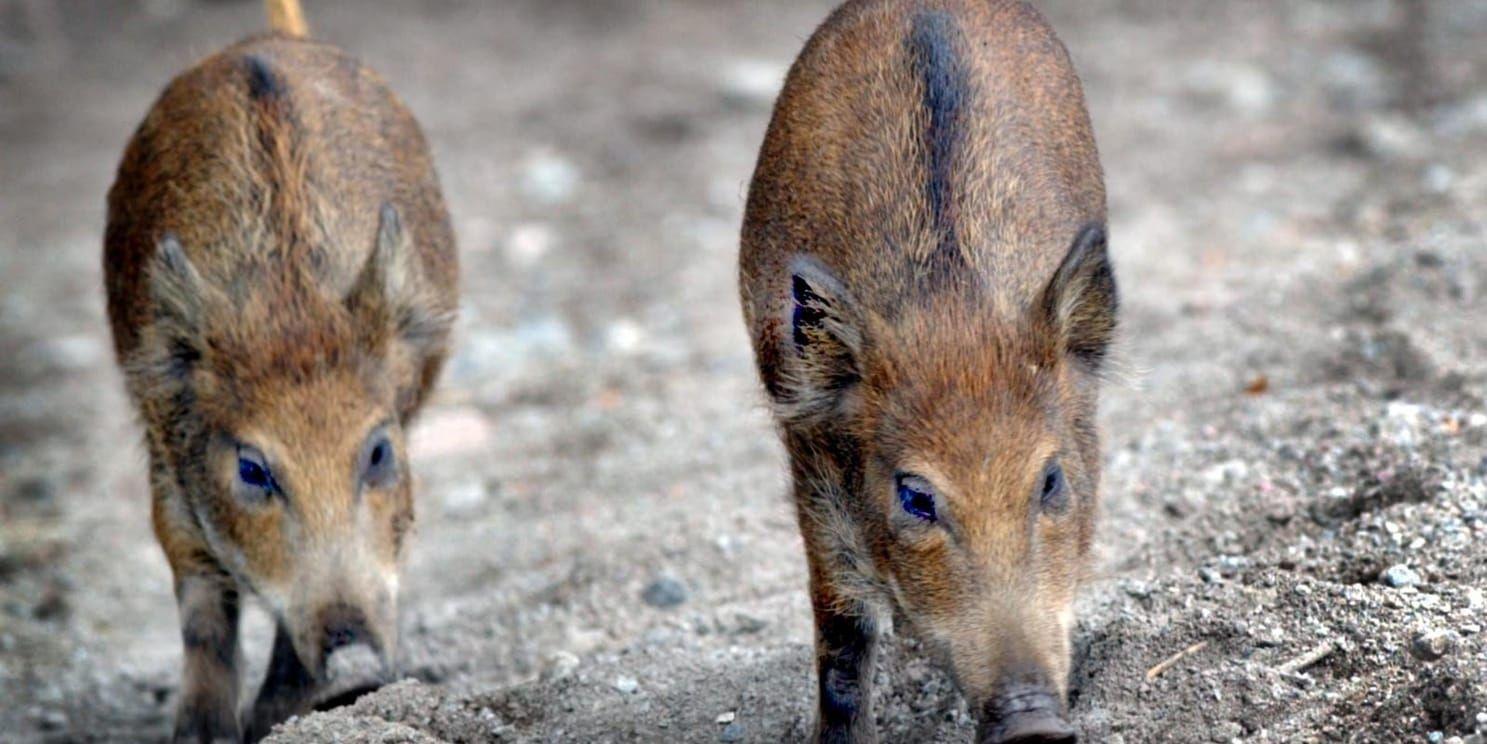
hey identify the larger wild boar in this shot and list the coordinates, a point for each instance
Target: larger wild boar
(281, 281)
(925, 279)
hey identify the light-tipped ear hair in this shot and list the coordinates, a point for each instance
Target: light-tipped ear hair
(1081, 300)
(175, 285)
(820, 351)
(178, 299)
(389, 294)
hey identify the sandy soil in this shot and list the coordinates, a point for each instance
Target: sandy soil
(1295, 487)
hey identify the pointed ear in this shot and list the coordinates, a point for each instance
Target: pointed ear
(1080, 301)
(390, 295)
(178, 297)
(175, 286)
(821, 349)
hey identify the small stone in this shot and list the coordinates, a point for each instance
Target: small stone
(1431, 645)
(1399, 576)
(560, 665)
(745, 623)
(72, 353)
(1228, 731)
(625, 685)
(732, 732)
(624, 336)
(1136, 589)
(53, 720)
(1435, 737)
(726, 718)
(464, 499)
(528, 243)
(549, 178)
(752, 81)
(665, 592)
(448, 432)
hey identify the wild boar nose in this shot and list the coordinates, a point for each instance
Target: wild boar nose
(1025, 717)
(344, 626)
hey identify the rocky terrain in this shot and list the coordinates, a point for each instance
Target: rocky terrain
(1295, 503)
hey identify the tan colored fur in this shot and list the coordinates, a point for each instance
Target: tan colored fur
(972, 378)
(281, 274)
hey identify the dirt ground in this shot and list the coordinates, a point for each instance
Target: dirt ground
(1296, 487)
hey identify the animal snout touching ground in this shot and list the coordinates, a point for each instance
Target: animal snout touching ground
(280, 273)
(1024, 715)
(343, 626)
(626, 511)
(933, 345)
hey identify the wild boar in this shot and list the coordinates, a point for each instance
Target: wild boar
(925, 280)
(281, 279)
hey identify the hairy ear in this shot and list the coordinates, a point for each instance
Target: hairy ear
(1081, 300)
(820, 353)
(178, 299)
(390, 299)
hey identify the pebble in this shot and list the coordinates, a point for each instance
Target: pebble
(560, 664)
(624, 336)
(53, 720)
(464, 499)
(732, 732)
(1399, 576)
(726, 718)
(72, 353)
(744, 623)
(664, 592)
(447, 432)
(625, 685)
(549, 178)
(753, 80)
(1431, 645)
(528, 243)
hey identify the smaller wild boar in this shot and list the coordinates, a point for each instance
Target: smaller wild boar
(281, 279)
(925, 281)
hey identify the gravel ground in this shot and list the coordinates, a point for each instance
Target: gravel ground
(1296, 489)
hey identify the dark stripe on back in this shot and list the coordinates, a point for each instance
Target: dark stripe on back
(263, 83)
(934, 48)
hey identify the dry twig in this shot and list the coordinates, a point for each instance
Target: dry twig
(1167, 663)
(1305, 660)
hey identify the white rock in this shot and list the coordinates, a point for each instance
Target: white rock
(1399, 576)
(624, 336)
(560, 664)
(754, 80)
(549, 178)
(528, 243)
(463, 499)
(447, 432)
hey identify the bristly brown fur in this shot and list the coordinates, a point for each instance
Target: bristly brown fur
(281, 277)
(925, 279)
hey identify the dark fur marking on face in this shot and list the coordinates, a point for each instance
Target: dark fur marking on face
(263, 83)
(933, 50)
(807, 314)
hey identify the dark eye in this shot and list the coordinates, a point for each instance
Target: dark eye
(916, 497)
(1055, 491)
(252, 470)
(378, 464)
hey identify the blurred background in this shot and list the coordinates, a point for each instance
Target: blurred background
(604, 551)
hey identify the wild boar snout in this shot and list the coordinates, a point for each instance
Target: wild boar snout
(1024, 715)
